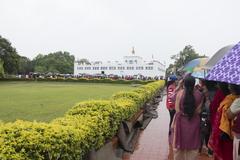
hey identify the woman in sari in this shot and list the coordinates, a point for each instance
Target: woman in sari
(221, 141)
(219, 96)
(186, 125)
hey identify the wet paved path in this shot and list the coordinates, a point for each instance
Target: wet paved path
(153, 141)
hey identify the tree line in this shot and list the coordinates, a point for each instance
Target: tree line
(13, 63)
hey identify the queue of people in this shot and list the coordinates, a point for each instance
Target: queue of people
(203, 113)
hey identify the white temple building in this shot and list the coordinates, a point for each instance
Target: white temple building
(130, 66)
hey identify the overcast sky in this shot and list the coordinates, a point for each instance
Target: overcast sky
(107, 29)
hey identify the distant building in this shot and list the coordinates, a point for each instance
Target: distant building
(130, 66)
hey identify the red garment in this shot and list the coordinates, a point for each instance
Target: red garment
(227, 149)
(222, 149)
(214, 140)
(217, 99)
(170, 91)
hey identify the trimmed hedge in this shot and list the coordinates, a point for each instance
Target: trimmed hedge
(88, 125)
(91, 80)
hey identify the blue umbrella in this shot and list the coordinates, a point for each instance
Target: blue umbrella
(228, 68)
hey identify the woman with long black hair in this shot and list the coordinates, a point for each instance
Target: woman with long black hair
(186, 125)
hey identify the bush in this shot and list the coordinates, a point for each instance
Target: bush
(32, 140)
(1, 69)
(91, 80)
(138, 98)
(99, 108)
(84, 127)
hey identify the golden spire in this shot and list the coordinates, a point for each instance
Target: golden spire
(133, 51)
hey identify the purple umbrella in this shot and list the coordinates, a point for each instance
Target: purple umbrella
(228, 68)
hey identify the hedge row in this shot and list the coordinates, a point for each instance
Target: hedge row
(84, 127)
(90, 80)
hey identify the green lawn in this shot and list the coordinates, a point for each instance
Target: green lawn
(44, 101)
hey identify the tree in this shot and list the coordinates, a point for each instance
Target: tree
(182, 58)
(84, 61)
(1, 69)
(171, 69)
(58, 62)
(25, 65)
(9, 56)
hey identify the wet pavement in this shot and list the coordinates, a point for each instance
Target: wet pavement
(153, 141)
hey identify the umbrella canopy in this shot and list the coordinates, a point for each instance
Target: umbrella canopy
(199, 74)
(195, 64)
(218, 56)
(228, 68)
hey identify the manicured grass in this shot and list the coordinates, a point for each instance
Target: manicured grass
(44, 101)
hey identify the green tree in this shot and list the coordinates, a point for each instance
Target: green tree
(40, 69)
(25, 65)
(58, 62)
(182, 58)
(84, 61)
(9, 56)
(1, 69)
(171, 69)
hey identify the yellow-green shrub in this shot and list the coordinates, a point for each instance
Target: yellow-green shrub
(92, 126)
(32, 140)
(100, 108)
(124, 108)
(136, 97)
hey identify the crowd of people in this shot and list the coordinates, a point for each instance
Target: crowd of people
(203, 114)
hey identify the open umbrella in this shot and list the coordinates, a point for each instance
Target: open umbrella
(195, 64)
(228, 68)
(218, 56)
(196, 67)
(199, 74)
